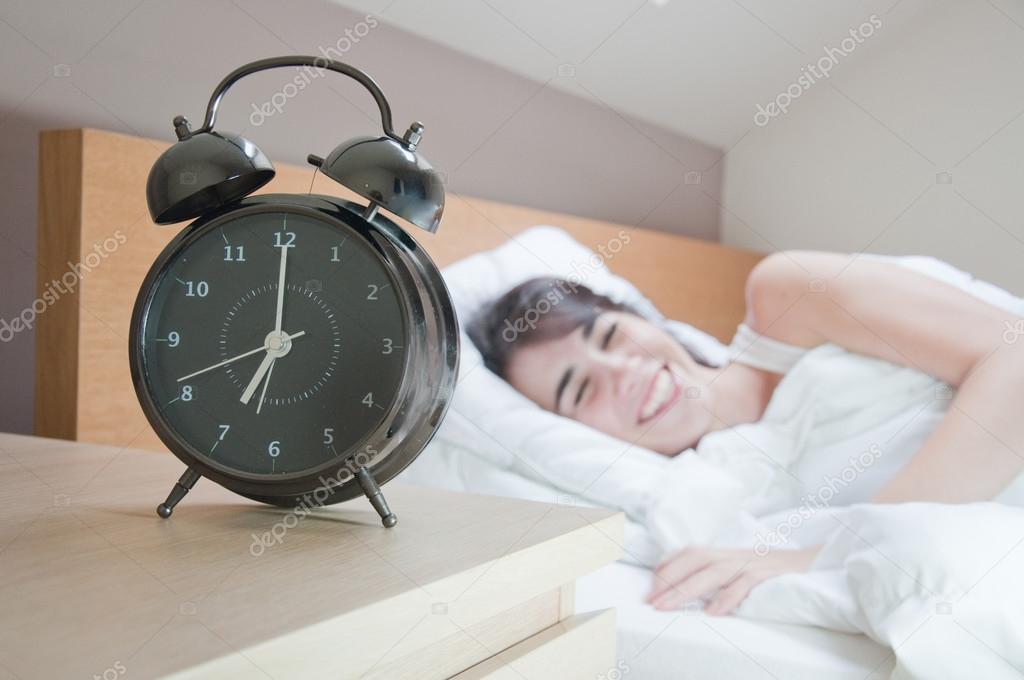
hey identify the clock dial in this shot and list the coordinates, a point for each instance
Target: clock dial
(274, 342)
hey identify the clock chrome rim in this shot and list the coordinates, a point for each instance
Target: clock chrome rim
(414, 272)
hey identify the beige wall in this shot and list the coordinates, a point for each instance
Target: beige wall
(856, 163)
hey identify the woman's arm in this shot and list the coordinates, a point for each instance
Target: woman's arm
(886, 311)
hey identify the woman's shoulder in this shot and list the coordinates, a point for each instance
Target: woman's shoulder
(778, 288)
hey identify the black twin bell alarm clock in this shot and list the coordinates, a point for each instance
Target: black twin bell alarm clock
(295, 349)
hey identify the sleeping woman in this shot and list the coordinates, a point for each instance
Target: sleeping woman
(604, 365)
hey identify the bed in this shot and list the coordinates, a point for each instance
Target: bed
(92, 184)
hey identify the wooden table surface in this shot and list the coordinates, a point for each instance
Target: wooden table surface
(94, 584)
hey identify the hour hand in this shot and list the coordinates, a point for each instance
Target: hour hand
(250, 389)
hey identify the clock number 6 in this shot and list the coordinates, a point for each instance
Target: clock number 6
(274, 449)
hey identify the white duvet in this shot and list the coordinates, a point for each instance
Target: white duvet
(942, 585)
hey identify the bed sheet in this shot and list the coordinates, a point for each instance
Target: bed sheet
(688, 644)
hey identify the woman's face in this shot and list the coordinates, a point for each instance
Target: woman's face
(623, 375)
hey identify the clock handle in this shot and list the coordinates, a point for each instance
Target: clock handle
(372, 491)
(298, 60)
(181, 487)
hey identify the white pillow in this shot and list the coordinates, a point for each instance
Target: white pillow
(492, 422)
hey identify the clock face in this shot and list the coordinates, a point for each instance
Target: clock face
(273, 342)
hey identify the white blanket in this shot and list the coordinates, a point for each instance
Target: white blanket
(942, 585)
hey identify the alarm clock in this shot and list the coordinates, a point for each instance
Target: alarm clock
(295, 349)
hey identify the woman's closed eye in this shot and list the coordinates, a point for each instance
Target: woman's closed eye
(579, 393)
(606, 340)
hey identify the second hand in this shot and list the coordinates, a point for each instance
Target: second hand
(240, 356)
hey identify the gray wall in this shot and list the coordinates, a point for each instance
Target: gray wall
(130, 67)
(913, 146)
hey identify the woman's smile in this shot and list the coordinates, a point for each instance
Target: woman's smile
(662, 392)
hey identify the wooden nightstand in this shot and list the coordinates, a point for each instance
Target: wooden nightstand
(94, 584)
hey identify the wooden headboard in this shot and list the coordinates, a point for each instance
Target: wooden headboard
(93, 220)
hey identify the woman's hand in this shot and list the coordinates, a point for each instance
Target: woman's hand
(723, 577)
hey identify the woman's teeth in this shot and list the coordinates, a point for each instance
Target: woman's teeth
(660, 393)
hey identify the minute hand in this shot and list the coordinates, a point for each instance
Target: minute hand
(280, 289)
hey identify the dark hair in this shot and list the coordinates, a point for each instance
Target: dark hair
(539, 309)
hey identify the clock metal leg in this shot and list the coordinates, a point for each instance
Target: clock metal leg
(181, 487)
(372, 491)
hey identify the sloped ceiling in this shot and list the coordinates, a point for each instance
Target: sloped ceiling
(696, 67)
